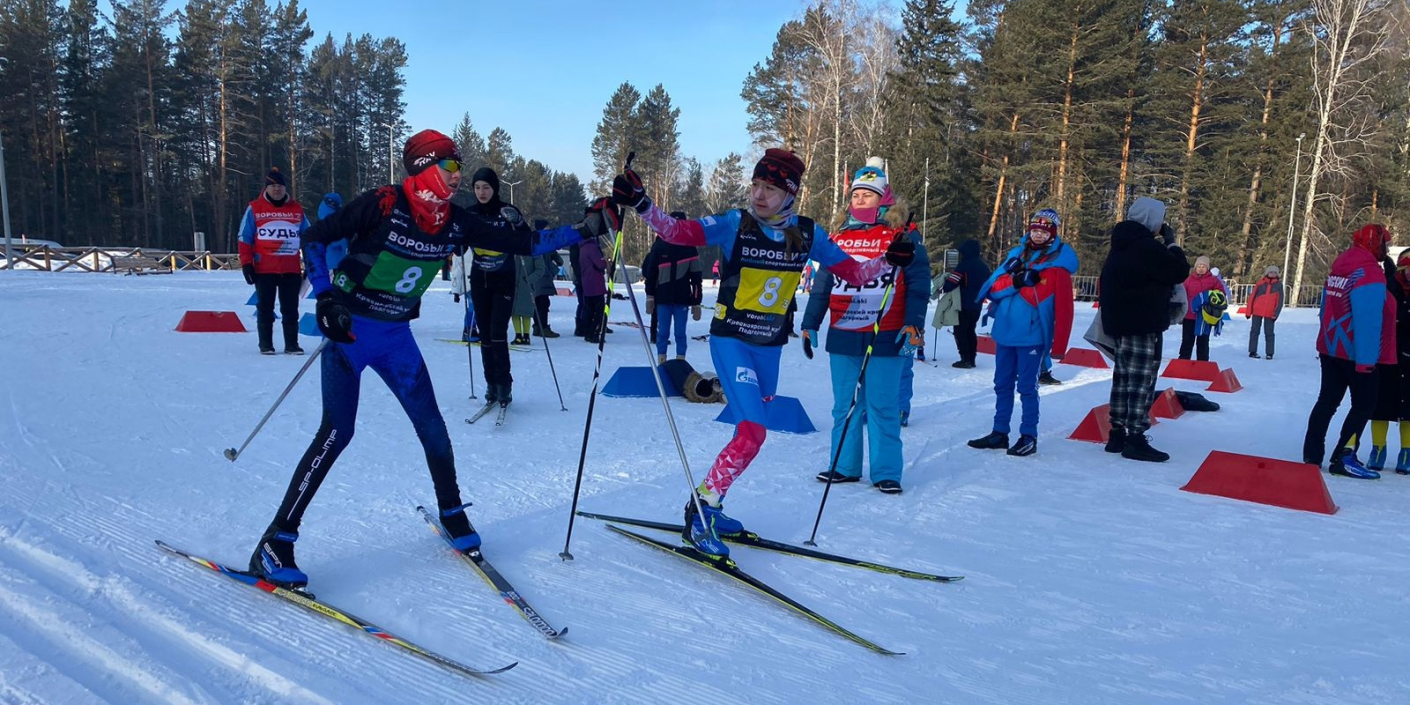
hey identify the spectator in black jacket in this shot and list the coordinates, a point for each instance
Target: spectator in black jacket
(969, 276)
(673, 281)
(1136, 285)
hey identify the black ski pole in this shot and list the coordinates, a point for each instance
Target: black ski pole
(596, 376)
(543, 327)
(231, 453)
(469, 346)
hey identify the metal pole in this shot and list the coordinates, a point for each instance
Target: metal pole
(925, 208)
(511, 185)
(5, 206)
(1292, 208)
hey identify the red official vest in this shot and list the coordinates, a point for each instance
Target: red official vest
(854, 308)
(277, 244)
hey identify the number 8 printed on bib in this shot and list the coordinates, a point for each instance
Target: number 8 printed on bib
(766, 291)
(402, 276)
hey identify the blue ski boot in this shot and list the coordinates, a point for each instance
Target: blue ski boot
(462, 535)
(1402, 463)
(702, 533)
(274, 559)
(1347, 465)
(1378, 458)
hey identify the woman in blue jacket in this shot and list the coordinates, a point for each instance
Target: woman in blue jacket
(872, 221)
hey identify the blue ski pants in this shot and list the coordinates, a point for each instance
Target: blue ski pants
(1016, 367)
(878, 412)
(667, 317)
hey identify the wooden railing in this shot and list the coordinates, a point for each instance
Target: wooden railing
(101, 259)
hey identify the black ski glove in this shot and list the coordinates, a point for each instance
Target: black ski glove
(901, 252)
(627, 190)
(1025, 277)
(249, 271)
(603, 217)
(1167, 234)
(334, 321)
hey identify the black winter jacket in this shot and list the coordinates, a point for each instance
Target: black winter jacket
(973, 273)
(1136, 281)
(673, 274)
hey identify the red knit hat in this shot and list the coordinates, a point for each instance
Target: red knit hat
(425, 148)
(781, 168)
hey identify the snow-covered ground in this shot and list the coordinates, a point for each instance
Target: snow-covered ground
(1090, 579)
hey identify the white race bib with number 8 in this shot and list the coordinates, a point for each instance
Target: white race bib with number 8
(408, 280)
(769, 297)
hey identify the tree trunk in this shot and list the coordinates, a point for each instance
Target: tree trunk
(1192, 140)
(1255, 183)
(156, 149)
(999, 187)
(1125, 155)
(1061, 180)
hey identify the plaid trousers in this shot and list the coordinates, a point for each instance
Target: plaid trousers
(1133, 381)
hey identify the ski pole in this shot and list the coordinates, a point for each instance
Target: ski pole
(470, 347)
(852, 407)
(231, 453)
(665, 403)
(543, 326)
(596, 376)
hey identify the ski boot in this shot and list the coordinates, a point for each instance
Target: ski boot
(273, 559)
(1402, 463)
(905, 419)
(1047, 378)
(505, 394)
(700, 533)
(462, 535)
(1377, 461)
(1347, 465)
(993, 441)
(1026, 445)
(293, 349)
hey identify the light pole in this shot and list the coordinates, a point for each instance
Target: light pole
(391, 154)
(1292, 207)
(511, 185)
(5, 206)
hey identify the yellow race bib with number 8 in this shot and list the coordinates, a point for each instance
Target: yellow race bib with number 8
(765, 291)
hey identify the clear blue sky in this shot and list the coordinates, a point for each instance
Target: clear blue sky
(544, 69)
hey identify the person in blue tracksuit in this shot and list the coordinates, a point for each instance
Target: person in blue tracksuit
(871, 222)
(398, 237)
(1030, 298)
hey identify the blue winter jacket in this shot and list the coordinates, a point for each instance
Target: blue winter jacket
(1028, 316)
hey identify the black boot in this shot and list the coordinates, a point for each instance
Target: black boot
(506, 393)
(1116, 440)
(1047, 378)
(273, 559)
(1138, 447)
(266, 336)
(491, 393)
(962, 364)
(993, 441)
(291, 337)
(836, 477)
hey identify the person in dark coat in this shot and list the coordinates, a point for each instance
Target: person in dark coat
(968, 276)
(673, 287)
(1135, 295)
(546, 290)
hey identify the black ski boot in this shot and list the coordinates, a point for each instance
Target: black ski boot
(993, 441)
(1047, 378)
(505, 394)
(462, 535)
(273, 559)
(836, 477)
(1138, 447)
(1026, 445)
(1116, 440)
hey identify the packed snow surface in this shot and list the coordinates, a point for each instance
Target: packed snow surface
(1090, 579)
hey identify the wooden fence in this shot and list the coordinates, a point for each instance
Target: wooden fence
(131, 260)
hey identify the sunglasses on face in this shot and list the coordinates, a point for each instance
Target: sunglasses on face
(449, 165)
